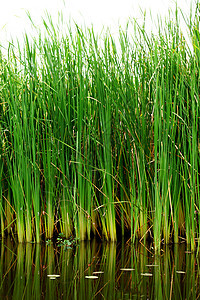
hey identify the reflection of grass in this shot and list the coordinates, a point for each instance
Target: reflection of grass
(26, 272)
(95, 137)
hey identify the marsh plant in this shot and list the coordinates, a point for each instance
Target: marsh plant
(100, 137)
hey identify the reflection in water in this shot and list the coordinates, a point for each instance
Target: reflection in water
(24, 270)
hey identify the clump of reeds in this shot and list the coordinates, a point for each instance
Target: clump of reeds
(96, 137)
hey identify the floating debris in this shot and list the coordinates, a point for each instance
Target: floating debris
(147, 274)
(127, 269)
(152, 265)
(98, 272)
(91, 277)
(180, 272)
(53, 276)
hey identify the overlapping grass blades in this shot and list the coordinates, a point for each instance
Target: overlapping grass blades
(99, 137)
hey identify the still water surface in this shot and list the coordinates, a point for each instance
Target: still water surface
(97, 271)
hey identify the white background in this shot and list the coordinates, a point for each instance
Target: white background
(14, 21)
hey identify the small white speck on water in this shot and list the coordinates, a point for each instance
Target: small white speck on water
(127, 269)
(53, 276)
(91, 277)
(147, 274)
(180, 272)
(152, 265)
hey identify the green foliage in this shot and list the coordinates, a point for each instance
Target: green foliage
(66, 243)
(96, 134)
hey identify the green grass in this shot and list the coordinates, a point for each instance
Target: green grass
(101, 136)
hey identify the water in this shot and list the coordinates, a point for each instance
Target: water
(123, 272)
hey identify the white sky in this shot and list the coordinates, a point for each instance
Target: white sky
(14, 21)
